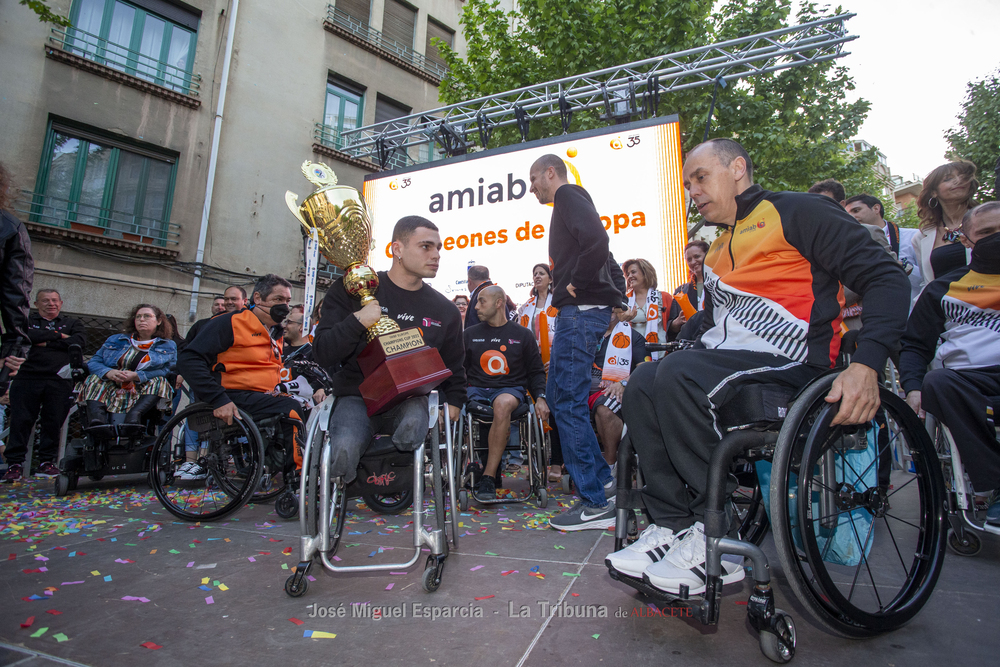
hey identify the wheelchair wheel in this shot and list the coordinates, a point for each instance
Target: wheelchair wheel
(232, 456)
(388, 504)
(968, 544)
(750, 515)
(272, 481)
(863, 557)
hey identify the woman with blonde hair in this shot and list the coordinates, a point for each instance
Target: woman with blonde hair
(948, 194)
(645, 299)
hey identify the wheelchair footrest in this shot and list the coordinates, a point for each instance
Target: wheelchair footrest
(698, 604)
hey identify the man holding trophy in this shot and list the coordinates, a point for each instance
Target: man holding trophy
(381, 374)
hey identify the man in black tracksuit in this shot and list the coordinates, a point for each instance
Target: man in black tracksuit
(501, 360)
(772, 315)
(962, 310)
(38, 386)
(586, 295)
(17, 273)
(341, 336)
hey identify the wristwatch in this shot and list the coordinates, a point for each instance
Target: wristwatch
(623, 383)
(542, 395)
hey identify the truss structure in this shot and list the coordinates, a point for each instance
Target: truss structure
(622, 92)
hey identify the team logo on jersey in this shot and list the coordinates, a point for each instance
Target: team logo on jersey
(428, 322)
(494, 362)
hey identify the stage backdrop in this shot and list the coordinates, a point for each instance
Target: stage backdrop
(487, 216)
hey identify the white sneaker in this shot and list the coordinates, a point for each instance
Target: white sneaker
(653, 544)
(190, 470)
(685, 564)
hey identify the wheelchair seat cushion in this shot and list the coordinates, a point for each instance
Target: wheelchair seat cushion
(484, 411)
(756, 404)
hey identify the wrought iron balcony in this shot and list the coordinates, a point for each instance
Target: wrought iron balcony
(94, 220)
(115, 56)
(341, 21)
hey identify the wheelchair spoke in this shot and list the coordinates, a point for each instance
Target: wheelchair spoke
(895, 546)
(864, 561)
(903, 521)
(902, 486)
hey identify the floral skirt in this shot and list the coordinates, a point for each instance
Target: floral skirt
(120, 399)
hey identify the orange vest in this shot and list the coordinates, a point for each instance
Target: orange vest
(253, 363)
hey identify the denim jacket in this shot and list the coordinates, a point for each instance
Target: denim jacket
(162, 357)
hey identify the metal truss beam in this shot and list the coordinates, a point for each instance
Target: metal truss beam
(620, 91)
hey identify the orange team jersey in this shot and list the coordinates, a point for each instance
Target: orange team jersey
(253, 362)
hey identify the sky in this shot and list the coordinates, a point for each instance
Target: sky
(912, 61)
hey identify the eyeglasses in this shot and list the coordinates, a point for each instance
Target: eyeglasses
(145, 316)
(293, 321)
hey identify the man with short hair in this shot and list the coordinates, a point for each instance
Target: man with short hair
(342, 335)
(501, 360)
(42, 386)
(961, 309)
(235, 362)
(831, 188)
(479, 279)
(868, 210)
(232, 300)
(298, 348)
(772, 315)
(586, 296)
(218, 305)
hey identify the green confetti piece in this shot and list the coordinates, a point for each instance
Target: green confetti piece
(39, 632)
(595, 636)
(60, 637)
(193, 546)
(174, 551)
(559, 546)
(490, 553)
(569, 574)
(284, 566)
(215, 583)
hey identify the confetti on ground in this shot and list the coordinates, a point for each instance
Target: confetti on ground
(107, 578)
(595, 636)
(151, 646)
(473, 569)
(490, 553)
(251, 559)
(29, 622)
(191, 564)
(316, 634)
(209, 600)
(208, 566)
(389, 587)
(297, 621)
(504, 574)
(570, 574)
(39, 632)
(398, 573)
(559, 546)
(486, 597)
(95, 573)
(223, 587)
(132, 598)
(53, 612)
(60, 637)
(70, 583)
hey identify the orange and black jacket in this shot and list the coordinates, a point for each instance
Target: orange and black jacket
(233, 351)
(774, 281)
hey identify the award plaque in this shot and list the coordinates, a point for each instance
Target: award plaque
(396, 364)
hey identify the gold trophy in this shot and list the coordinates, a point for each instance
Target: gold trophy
(396, 364)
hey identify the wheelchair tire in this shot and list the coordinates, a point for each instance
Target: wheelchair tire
(296, 587)
(778, 644)
(750, 516)
(392, 504)
(61, 486)
(970, 547)
(463, 500)
(232, 456)
(287, 505)
(808, 450)
(543, 498)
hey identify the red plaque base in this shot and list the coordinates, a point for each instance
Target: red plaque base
(391, 379)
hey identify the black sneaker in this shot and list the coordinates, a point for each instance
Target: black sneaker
(487, 488)
(581, 517)
(13, 474)
(48, 469)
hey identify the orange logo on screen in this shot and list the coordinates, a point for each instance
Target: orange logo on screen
(616, 144)
(393, 185)
(494, 363)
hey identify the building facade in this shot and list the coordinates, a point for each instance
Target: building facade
(108, 132)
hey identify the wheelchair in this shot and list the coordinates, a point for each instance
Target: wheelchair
(861, 555)
(323, 498)
(114, 449)
(965, 519)
(469, 458)
(244, 463)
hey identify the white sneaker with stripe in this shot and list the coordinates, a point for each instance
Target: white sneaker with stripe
(685, 564)
(653, 544)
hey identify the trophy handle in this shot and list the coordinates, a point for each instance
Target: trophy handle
(292, 201)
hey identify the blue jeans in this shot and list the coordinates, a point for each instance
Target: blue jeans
(577, 337)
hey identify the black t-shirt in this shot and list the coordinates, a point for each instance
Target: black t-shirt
(340, 337)
(298, 353)
(505, 356)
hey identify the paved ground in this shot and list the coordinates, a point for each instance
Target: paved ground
(214, 594)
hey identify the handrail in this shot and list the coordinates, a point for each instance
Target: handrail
(342, 19)
(116, 56)
(45, 209)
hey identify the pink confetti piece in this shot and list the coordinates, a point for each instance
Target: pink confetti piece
(389, 587)
(209, 600)
(251, 559)
(191, 564)
(473, 569)
(337, 558)
(70, 583)
(398, 573)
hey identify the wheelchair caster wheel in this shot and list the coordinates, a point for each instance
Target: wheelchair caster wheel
(543, 498)
(61, 485)
(567, 483)
(287, 506)
(431, 578)
(631, 527)
(969, 546)
(777, 642)
(463, 500)
(296, 585)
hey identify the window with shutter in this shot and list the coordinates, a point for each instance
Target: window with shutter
(398, 22)
(435, 29)
(356, 9)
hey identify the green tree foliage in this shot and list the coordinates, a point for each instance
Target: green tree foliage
(977, 137)
(794, 123)
(908, 216)
(45, 13)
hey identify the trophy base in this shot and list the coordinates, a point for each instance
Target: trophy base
(391, 379)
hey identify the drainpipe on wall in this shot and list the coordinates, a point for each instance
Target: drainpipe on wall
(213, 161)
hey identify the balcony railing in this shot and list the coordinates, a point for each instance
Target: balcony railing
(124, 59)
(363, 31)
(89, 219)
